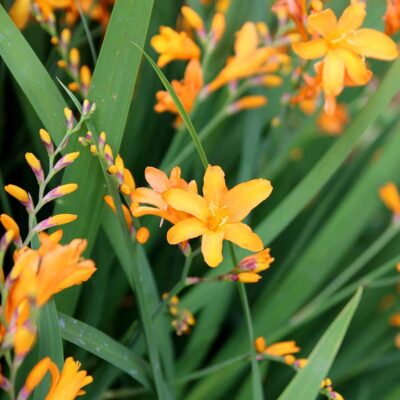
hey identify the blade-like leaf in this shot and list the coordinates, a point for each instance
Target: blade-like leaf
(104, 347)
(111, 89)
(307, 383)
(31, 76)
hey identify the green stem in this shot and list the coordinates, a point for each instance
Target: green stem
(181, 284)
(256, 375)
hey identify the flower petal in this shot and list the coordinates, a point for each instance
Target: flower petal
(211, 247)
(312, 49)
(242, 235)
(374, 44)
(164, 214)
(246, 39)
(148, 196)
(352, 18)
(157, 179)
(333, 74)
(356, 67)
(214, 188)
(190, 203)
(184, 230)
(324, 22)
(242, 198)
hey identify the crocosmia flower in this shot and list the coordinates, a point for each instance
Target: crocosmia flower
(218, 214)
(343, 47)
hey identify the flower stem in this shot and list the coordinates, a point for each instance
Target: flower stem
(256, 375)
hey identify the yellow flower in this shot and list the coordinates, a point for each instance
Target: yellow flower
(172, 45)
(186, 89)
(333, 124)
(60, 267)
(67, 385)
(249, 59)
(277, 349)
(216, 216)
(391, 197)
(344, 47)
(282, 348)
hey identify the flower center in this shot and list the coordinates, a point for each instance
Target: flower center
(218, 217)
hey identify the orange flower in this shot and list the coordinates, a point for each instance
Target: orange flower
(392, 17)
(218, 214)
(308, 94)
(60, 267)
(335, 123)
(249, 59)
(343, 47)
(278, 349)
(294, 9)
(95, 10)
(186, 89)
(160, 183)
(66, 386)
(391, 197)
(172, 45)
(282, 348)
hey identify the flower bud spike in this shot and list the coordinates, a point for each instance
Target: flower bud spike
(6, 240)
(21, 195)
(102, 140)
(10, 225)
(108, 154)
(60, 191)
(65, 161)
(85, 107)
(119, 163)
(36, 166)
(247, 103)
(74, 60)
(85, 77)
(218, 26)
(69, 118)
(46, 140)
(55, 220)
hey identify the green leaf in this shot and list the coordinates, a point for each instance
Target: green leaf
(104, 347)
(112, 87)
(307, 382)
(31, 76)
(182, 112)
(50, 343)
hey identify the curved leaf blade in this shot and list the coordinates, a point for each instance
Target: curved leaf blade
(307, 383)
